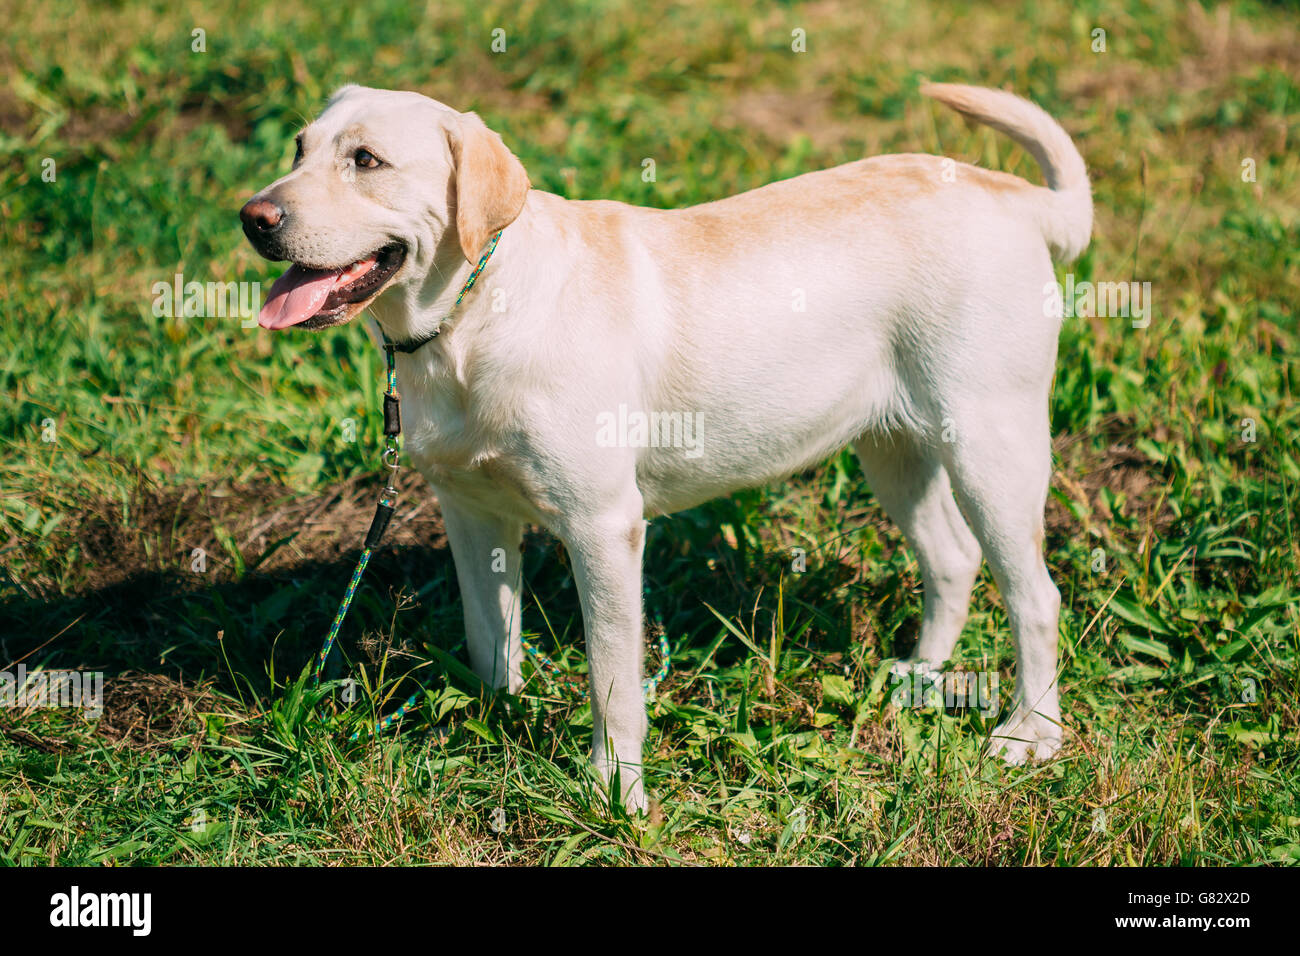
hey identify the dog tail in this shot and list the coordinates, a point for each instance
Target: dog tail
(1067, 219)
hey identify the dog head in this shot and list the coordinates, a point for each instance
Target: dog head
(382, 182)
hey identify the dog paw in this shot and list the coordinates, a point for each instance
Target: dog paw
(930, 670)
(629, 776)
(1024, 738)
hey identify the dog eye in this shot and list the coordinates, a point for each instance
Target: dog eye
(366, 159)
(297, 152)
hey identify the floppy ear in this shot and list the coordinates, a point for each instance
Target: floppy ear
(491, 184)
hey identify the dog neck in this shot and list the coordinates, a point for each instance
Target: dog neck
(413, 316)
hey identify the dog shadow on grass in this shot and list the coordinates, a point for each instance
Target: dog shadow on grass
(233, 589)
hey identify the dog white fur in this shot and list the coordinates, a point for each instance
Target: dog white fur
(923, 340)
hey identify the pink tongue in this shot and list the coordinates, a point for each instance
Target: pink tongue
(299, 294)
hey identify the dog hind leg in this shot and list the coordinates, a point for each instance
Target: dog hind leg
(605, 551)
(1001, 463)
(909, 481)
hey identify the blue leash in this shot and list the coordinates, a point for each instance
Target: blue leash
(383, 514)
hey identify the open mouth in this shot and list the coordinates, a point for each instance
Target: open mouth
(317, 298)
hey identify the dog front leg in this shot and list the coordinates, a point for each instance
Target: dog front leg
(606, 559)
(488, 568)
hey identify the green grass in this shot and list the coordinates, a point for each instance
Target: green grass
(1173, 540)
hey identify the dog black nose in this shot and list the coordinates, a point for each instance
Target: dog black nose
(261, 216)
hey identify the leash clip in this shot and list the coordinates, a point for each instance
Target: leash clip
(390, 459)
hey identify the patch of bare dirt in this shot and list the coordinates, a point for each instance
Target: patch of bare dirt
(13, 115)
(110, 126)
(781, 114)
(1229, 49)
(146, 710)
(141, 711)
(267, 527)
(1119, 468)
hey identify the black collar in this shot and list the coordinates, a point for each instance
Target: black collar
(410, 345)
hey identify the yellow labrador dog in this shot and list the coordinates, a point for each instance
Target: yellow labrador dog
(905, 304)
